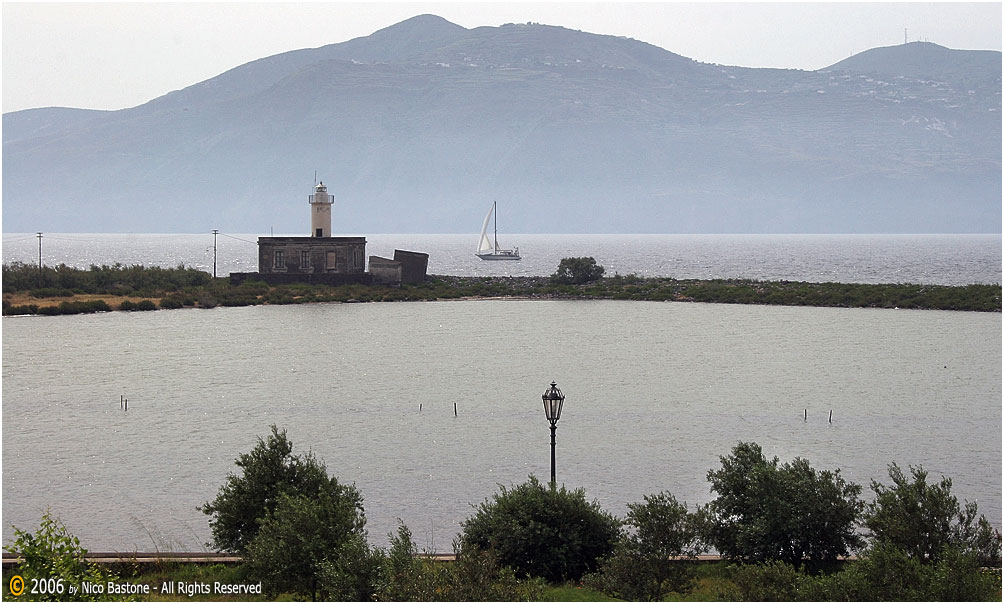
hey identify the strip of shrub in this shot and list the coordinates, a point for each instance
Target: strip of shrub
(171, 303)
(75, 308)
(25, 309)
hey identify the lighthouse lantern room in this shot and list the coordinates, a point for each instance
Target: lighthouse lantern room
(320, 211)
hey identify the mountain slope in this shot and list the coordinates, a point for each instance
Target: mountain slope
(926, 61)
(416, 127)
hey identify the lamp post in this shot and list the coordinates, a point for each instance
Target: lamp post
(553, 399)
(215, 233)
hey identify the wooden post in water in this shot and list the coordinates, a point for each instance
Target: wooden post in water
(831, 416)
(454, 410)
(805, 415)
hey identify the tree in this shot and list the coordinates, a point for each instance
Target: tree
(925, 520)
(765, 510)
(884, 573)
(54, 557)
(645, 565)
(400, 575)
(353, 572)
(299, 535)
(542, 531)
(661, 527)
(575, 271)
(268, 471)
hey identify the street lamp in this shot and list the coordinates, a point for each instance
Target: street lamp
(553, 399)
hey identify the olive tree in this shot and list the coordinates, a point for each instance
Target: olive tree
(299, 536)
(925, 520)
(541, 530)
(766, 510)
(646, 563)
(285, 515)
(267, 471)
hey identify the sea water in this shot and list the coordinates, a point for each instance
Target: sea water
(929, 259)
(656, 392)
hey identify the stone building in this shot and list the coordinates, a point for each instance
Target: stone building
(331, 260)
(406, 267)
(323, 259)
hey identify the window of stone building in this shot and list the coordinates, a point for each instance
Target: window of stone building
(331, 260)
(280, 260)
(304, 259)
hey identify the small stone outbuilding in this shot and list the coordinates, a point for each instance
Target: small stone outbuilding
(406, 267)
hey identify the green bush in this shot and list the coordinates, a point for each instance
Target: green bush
(26, 309)
(113, 280)
(208, 301)
(925, 519)
(296, 538)
(542, 531)
(170, 303)
(765, 510)
(475, 576)
(884, 573)
(100, 306)
(146, 305)
(575, 271)
(74, 308)
(267, 472)
(647, 562)
(773, 581)
(887, 573)
(51, 554)
(354, 572)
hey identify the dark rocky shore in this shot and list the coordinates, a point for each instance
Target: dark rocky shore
(977, 297)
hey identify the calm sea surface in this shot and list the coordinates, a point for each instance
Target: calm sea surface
(931, 259)
(655, 393)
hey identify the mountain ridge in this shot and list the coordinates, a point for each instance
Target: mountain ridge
(414, 126)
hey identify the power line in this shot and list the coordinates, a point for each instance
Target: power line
(74, 239)
(239, 239)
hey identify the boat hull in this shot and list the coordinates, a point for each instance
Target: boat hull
(498, 256)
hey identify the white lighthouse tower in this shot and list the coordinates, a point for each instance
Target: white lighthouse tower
(320, 211)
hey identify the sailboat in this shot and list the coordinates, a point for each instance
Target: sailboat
(489, 251)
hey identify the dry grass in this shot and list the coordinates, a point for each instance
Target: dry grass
(23, 299)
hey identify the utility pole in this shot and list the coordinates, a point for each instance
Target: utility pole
(40, 259)
(215, 232)
(905, 41)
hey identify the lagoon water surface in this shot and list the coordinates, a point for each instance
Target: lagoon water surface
(655, 393)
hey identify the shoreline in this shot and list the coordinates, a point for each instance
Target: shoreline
(219, 292)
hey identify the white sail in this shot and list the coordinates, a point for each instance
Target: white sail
(489, 250)
(485, 245)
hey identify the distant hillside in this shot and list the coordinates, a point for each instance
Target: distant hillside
(419, 126)
(927, 61)
(36, 123)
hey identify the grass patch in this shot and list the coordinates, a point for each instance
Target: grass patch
(574, 593)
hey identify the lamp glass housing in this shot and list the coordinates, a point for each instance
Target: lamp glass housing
(553, 401)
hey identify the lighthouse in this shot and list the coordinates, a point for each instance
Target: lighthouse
(320, 211)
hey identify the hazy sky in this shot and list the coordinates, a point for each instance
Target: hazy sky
(116, 55)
